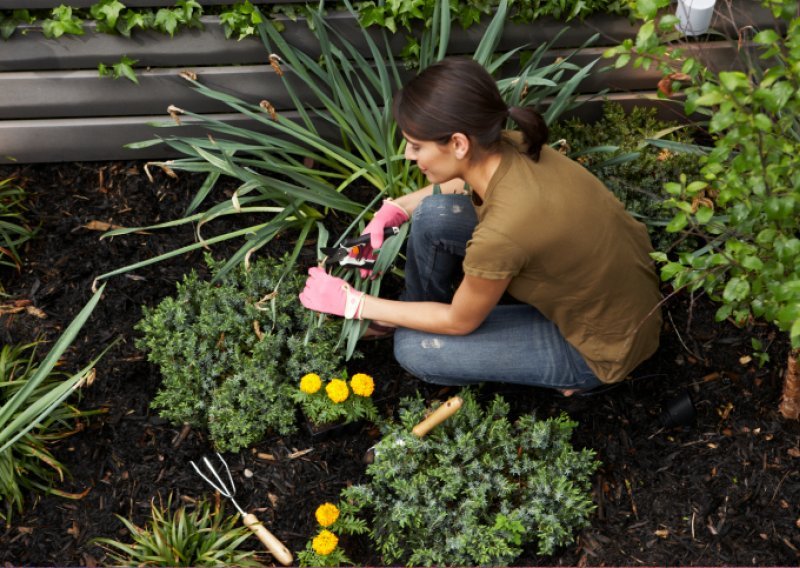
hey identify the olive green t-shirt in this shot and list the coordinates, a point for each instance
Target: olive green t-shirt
(571, 251)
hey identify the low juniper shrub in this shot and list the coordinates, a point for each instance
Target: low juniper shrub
(230, 351)
(477, 489)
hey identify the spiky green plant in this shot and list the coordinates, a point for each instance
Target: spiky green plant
(33, 412)
(200, 537)
(14, 231)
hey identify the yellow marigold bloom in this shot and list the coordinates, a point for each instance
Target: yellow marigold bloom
(310, 383)
(362, 384)
(337, 390)
(325, 542)
(326, 514)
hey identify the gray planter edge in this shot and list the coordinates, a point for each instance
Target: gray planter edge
(104, 138)
(32, 51)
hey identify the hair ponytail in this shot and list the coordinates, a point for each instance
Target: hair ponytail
(459, 95)
(533, 127)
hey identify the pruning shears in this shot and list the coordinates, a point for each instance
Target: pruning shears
(350, 252)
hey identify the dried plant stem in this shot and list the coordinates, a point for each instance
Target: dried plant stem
(790, 401)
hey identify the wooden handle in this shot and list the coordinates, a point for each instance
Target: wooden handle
(438, 416)
(269, 540)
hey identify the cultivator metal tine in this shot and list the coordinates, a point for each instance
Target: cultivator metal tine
(219, 485)
(230, 477)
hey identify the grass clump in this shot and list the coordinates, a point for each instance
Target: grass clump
(200, 537)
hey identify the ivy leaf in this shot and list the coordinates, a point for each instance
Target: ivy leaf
(108, 12)
(125, 69)
(62, 22)
(167, 21)
(132, 20)
(7, 27)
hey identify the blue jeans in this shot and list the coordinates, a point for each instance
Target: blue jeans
(515, 344)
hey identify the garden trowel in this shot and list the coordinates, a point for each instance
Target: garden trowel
(433, 419)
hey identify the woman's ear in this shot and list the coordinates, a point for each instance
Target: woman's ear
(461, 145)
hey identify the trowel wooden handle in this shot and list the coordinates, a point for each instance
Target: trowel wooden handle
(269, 540)
(438, 416)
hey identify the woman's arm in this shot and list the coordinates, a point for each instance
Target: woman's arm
(410, 201)
(473, 300)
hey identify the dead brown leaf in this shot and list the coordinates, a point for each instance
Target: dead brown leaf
(100, 226)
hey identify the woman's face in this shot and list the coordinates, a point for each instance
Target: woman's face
(437, 161)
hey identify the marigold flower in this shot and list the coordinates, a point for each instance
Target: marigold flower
(310, 383)
(362, 384)
(325, 542)
(326, 514)
(337, 390)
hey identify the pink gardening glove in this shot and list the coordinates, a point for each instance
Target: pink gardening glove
(389, 215)
(331, 295)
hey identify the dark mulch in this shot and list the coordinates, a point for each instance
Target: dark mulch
(725, 490)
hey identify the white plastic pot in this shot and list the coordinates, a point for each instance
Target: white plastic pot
(694, 16)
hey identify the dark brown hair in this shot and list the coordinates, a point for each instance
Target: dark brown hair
(459, 95)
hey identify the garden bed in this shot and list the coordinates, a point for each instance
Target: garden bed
(725, 490)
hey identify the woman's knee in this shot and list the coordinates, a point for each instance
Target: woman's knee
(412, 355)
(407, 352)
(441, 216)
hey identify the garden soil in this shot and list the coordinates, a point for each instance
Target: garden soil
(721, 490)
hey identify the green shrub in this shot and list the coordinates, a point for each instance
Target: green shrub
(475, 490)
(643, 169)
(743, 209)
(230, 352)
(201, 537)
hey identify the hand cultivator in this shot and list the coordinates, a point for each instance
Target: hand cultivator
(269, 540)
(446, 410)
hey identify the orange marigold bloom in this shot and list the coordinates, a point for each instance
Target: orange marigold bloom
(310, 383)
(337, 390)
(362, 384)
(326, 514)
(324, 543)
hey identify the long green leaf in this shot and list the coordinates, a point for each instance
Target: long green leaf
(22, 397)
(491, 38)
(180, 251)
